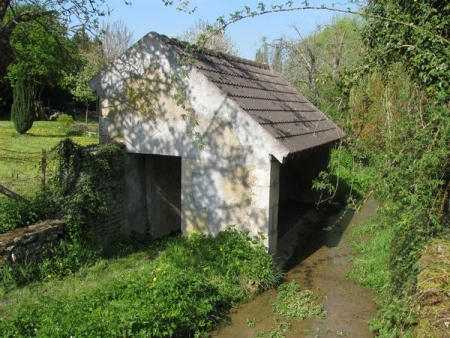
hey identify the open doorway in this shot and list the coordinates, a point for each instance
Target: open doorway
(296, 176)
(163, 194)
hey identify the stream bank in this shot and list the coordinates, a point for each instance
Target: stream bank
(321, 265)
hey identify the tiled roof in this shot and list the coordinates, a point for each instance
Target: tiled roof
(277, 106)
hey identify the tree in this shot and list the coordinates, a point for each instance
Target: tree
(115, 39)
(316, 63)
(73, 13)
(78, 85)
(45, 57)
(90, 60)
(22, 110)
(262, 53)
(94, 53)
(210, 36)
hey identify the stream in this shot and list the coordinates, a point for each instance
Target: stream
(322, 267)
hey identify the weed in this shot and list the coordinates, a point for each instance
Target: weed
(14, 214)
(278, 331)
(250, 322)
(295, 303)
(342, 333)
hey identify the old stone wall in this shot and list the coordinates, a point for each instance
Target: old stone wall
(31, 241)
(107, 228)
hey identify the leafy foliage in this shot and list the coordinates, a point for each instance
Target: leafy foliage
(414, 33)
(43, 56)
(185, 290)
(72, 13)
(66, 258)
(79, 169)
(411, 42)
(73, 192)
(14, 214)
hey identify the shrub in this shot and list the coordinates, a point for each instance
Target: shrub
(65, 120)
(55, 262)
(22, 110)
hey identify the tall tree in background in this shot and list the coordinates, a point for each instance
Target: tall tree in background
(262, 53)
(73, 13)
(116, 39)
(316, 63)
(22, 110)
(89, 61)
(44, 56)
(211, 37)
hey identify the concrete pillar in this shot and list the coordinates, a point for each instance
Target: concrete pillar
(273, 205)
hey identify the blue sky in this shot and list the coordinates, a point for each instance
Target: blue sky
(144, 16)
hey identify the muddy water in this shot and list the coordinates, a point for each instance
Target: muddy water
(321, 267)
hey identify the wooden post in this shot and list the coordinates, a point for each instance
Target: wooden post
(43, 166)
(5, 191)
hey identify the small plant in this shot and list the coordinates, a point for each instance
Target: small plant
(278, 331)
(65, 120)
(250, 322)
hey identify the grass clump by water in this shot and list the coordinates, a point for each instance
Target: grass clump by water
(179, 287)
(371, 241)
(293, 303)
(296, 303)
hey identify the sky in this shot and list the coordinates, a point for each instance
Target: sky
(145, 16)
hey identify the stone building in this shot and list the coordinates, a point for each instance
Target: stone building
(263, 142)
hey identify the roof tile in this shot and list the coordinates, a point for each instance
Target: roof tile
(269, 99)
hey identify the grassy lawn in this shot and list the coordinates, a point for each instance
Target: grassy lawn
(20, 155)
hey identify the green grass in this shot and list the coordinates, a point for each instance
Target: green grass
(371, 242)
(177, 287)
(20, 155)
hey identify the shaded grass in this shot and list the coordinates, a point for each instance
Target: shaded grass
(20, 155)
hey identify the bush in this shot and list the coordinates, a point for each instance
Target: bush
(65, 120)
(22, 110)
